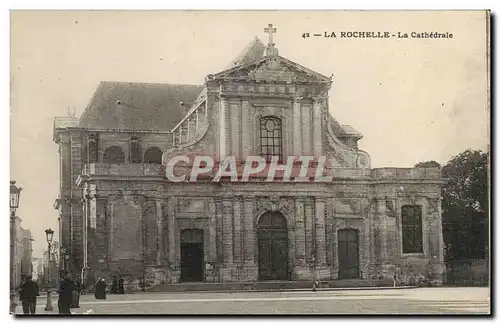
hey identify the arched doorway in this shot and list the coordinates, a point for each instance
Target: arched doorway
(273, 247)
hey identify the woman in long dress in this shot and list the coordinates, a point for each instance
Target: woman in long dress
(100, 289)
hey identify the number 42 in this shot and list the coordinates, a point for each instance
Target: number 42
(305, 35)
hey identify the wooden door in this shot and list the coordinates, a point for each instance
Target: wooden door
(348, 252)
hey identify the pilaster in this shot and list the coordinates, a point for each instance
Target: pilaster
(250, 267)
(172, 229)
(237, 235)
(236, 124)
(317, 126)
(223, 128)
(246, 130)
(309, 222)
(227, 239)
(306, 129)
(159, 223)
(296, 127)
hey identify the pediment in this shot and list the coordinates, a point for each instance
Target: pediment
(273, 68)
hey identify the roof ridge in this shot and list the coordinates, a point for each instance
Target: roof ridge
(148, 83)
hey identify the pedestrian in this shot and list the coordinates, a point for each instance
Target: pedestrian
(100, 289)
(114, 286)
(75, 303)
(121, 288)
(28, 294)
(65, 293)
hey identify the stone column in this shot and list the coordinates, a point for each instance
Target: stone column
(85, 227)
(237, 237)
(250, 272)
(330, 252)
(306, 123)
(227, 239)
(320, 205)
(172, 259)
(101, 233)
(382, 236)
(296, 127)
(218, 231)
(212, 255)
(317, 126)
(300, 235)
(159, 223)
(434, 236)
(309, 231)
(246, 130)
(301, 271)
(234, 139)
(223, 128)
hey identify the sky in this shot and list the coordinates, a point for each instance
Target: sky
(412, 99)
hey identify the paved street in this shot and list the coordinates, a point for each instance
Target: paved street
(399, 301)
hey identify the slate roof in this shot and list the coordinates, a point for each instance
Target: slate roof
(138, 106)
(254, 50)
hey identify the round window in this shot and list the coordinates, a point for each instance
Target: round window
(269, 125)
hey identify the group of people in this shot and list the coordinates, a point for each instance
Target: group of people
(29, 291)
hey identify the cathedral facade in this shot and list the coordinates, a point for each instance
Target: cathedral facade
(121, 215)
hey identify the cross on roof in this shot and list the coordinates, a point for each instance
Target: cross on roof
(270, 31)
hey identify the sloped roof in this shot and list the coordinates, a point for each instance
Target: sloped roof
(254, 50)
(138, 106)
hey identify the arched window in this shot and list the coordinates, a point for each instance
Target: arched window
(153, 156)
(135, 150)
(114, 154)
(270, 138)
(411, 219)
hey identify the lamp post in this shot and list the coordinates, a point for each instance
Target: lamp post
(15, 192)
(49, 234)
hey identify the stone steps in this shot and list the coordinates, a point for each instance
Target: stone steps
(268, 285)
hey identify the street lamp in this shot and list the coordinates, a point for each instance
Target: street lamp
(15, 192)
(49, 234)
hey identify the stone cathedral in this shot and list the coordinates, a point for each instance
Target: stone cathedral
(119, 214)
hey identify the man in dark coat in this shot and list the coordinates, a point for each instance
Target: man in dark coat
(114, 286)
(65, 293)
(121, 286)
(27, 295)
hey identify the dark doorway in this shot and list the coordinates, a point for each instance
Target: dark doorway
(273, 247)
(191, 255)
(348, 254)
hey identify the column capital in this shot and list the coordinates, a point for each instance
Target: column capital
(320, 200)
(319, 99)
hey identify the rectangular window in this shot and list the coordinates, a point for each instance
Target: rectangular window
(411, 220)
(93, 148)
